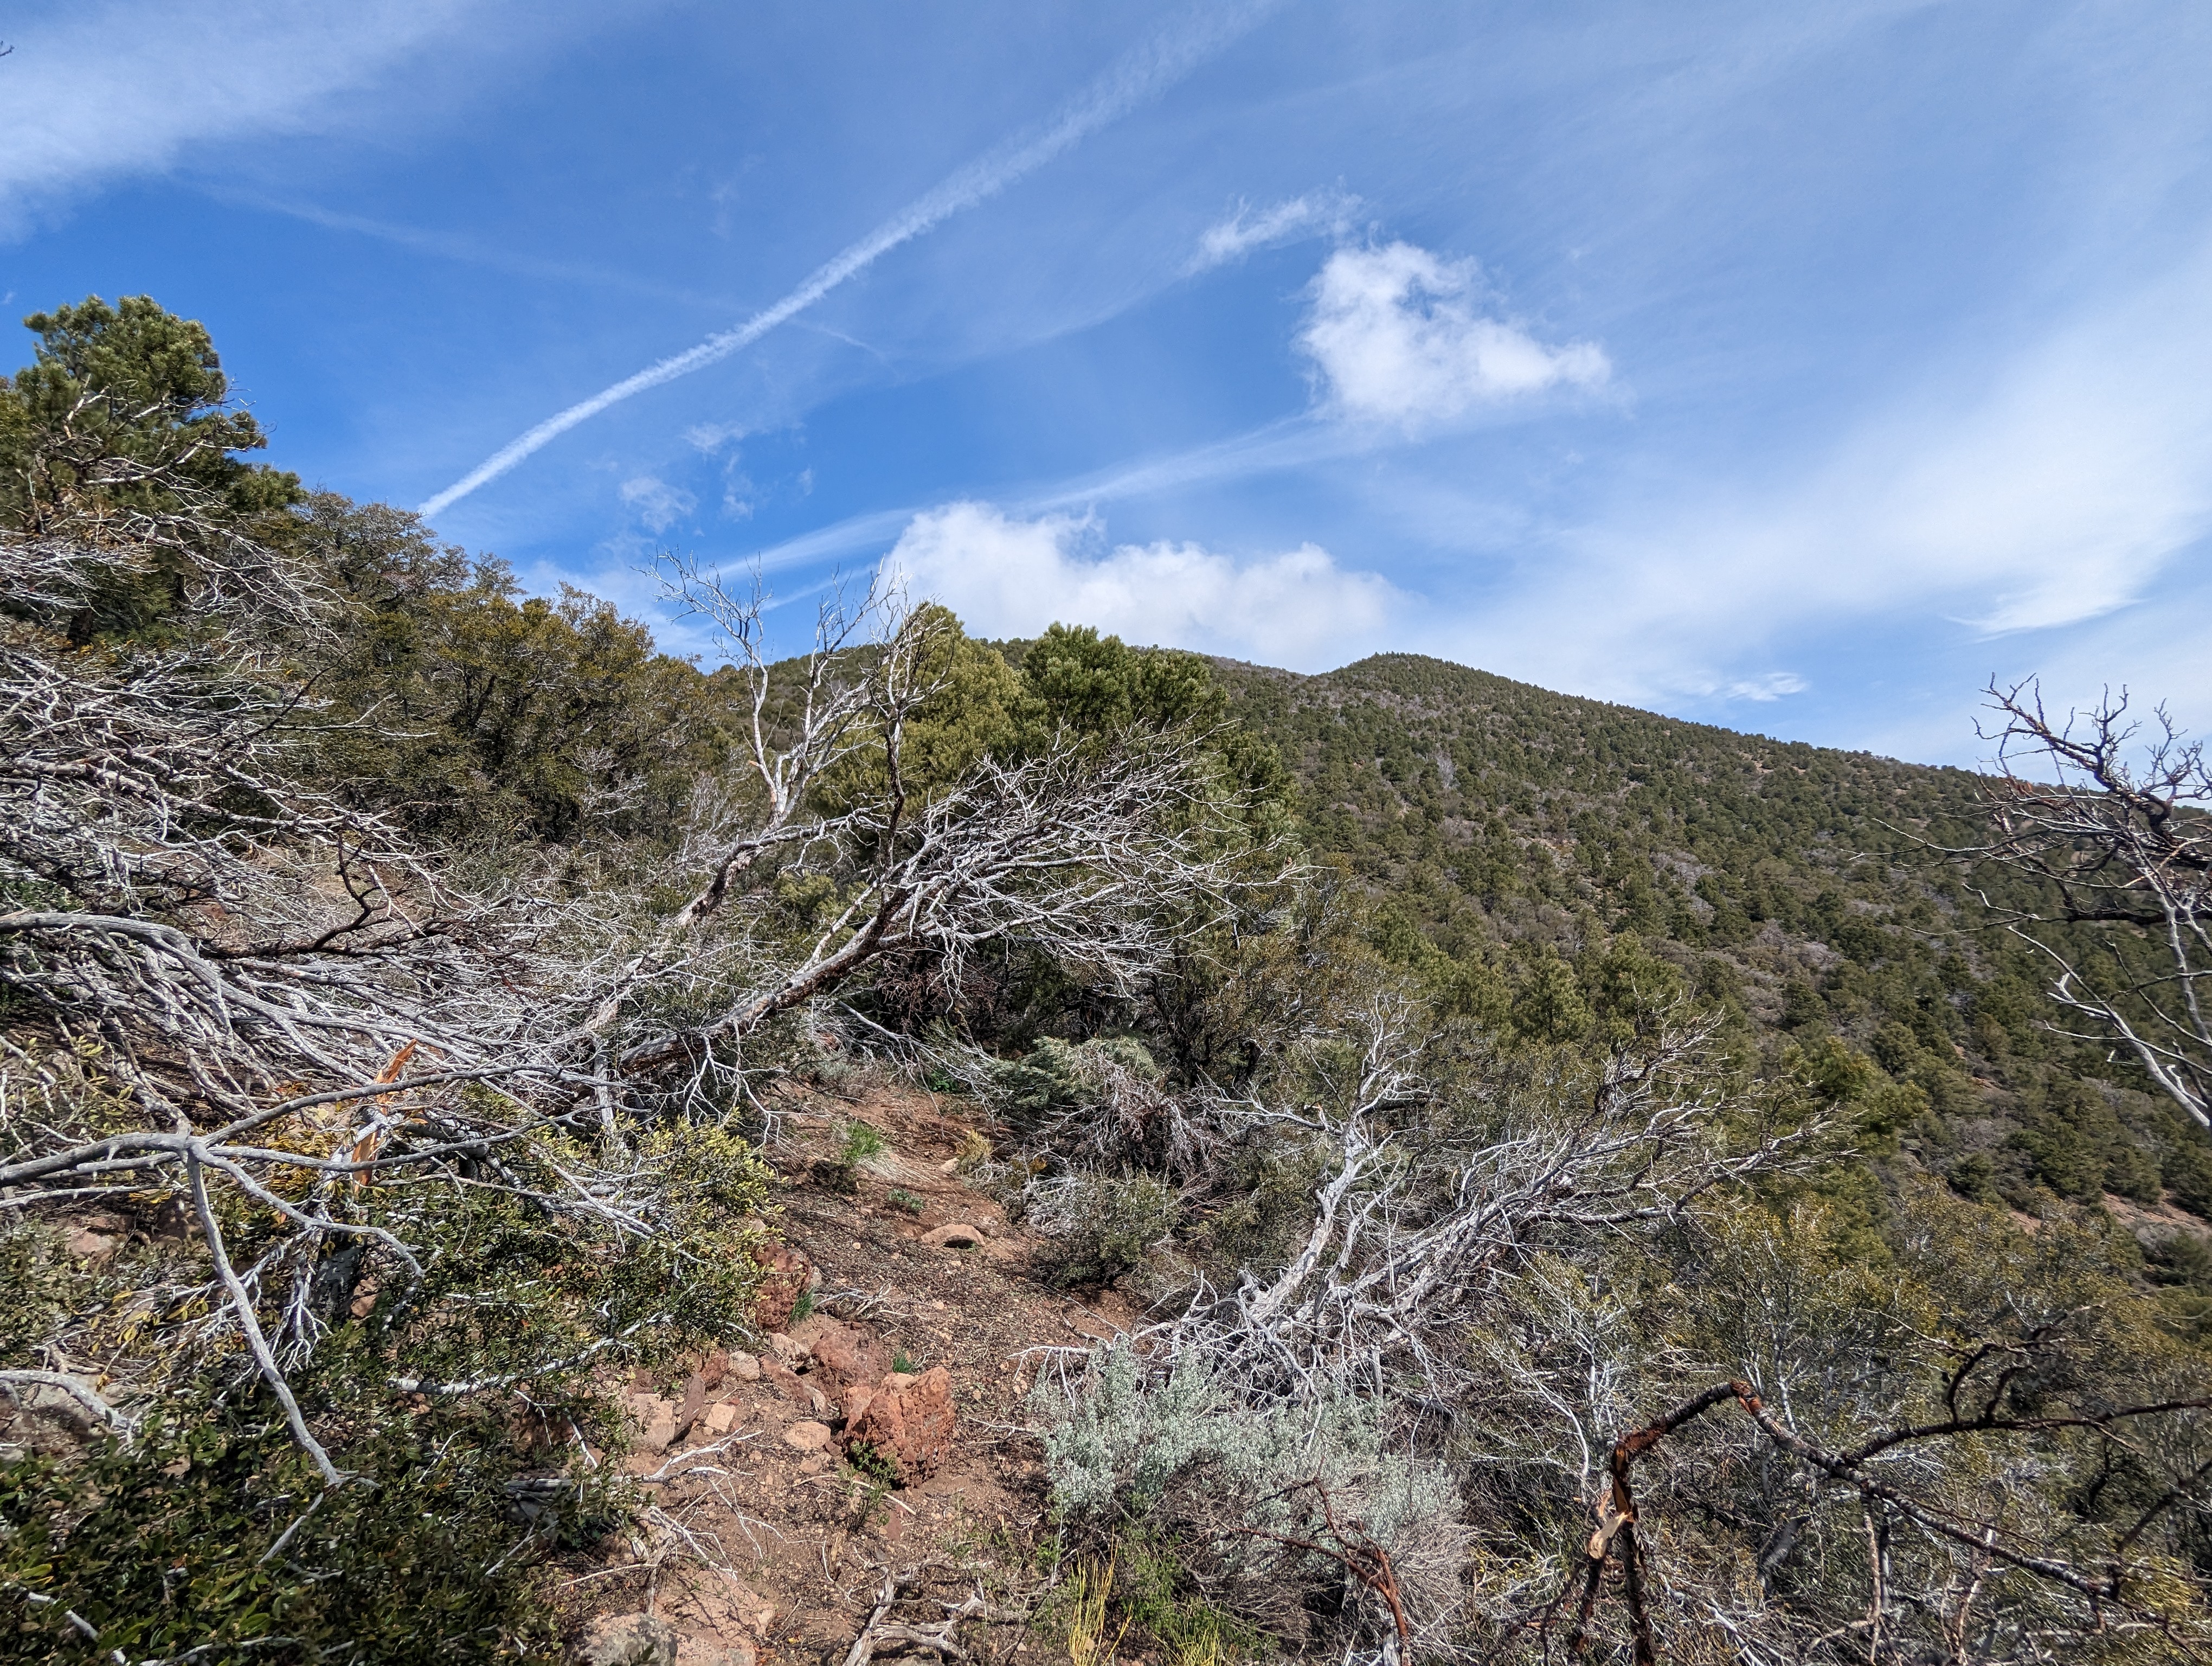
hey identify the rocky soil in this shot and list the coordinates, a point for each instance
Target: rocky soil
(879, 1435)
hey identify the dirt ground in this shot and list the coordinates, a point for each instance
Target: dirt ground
(765, 1542)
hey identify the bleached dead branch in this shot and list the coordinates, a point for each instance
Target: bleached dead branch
(2122, 834)
(1413, 1225)
(1090, 854)
(228, 983)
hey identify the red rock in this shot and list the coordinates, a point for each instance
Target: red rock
(852, 1401)
(693, 1403)
(910, 1429)
(789, 1275)
(844, 1352)
(794, 1388)
(783, 1379)
(713, 1365)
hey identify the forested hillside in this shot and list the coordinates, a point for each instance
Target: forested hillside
(1803, 890)
(1564, 1183)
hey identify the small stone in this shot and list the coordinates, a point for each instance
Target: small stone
(900, 1379)
(807, 1437)
(628, 1639)
(744, 1367)
(954, 1235)
(788, 1348)
(657, 1421)
(722, 1418)
(88, 1245)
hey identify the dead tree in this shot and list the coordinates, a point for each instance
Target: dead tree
(2113, 826)
(2104, 1587)
(1414, 1224)
(1095, 855)
(224, 982)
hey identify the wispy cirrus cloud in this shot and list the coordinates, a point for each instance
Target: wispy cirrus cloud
(1397, 338)
(96, 92)
(657, 503)
(471, 251)
(2064, 487)
(1317, 213)
(1005, 576)
(1139, 77)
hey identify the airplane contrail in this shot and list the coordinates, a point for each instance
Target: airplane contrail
(1149, 70)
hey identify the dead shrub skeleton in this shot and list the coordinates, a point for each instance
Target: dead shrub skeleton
(278, 1001)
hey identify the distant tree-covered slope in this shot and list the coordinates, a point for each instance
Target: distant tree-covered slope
(1507, 833)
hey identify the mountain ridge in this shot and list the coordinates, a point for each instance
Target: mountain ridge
(1806, 892)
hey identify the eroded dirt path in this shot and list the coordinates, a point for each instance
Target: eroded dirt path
(770, 1539)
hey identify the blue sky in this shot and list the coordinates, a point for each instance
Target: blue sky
(1796, 368)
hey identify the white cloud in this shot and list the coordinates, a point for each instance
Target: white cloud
(658, 504)
(1010, 577)
(2051, 494)
(1397, 339)
(711, 437)
(98, 92)
(2000, 513)
(1772, 686)
(1247, 229)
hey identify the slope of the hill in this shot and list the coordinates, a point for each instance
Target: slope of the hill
(1501, 824)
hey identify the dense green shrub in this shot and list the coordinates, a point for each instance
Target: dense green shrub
(170, 1544)
(1102, 1225)
(1056, 1075)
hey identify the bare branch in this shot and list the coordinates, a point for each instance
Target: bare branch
(2115, 849)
